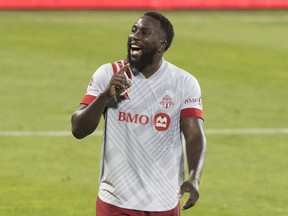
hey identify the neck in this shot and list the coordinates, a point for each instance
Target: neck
(151, 69)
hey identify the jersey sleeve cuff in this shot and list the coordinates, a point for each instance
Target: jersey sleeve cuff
(191, 112)
(87, 99)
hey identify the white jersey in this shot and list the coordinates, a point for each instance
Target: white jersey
(142, 164)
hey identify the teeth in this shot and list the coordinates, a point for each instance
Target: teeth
(135, 49)
(135, 46)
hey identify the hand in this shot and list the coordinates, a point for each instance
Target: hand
(191, 188)
(118, 82)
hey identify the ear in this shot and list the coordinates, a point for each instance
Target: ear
(163, 45)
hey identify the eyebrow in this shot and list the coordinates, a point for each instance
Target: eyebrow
(142, 27)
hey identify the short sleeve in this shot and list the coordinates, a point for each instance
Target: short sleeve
(191, 103)
(98, 83)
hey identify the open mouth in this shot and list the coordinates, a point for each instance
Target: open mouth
(135, 50)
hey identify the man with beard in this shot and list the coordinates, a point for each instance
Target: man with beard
(150, 108)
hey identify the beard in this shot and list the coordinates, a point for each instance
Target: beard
(143, 61)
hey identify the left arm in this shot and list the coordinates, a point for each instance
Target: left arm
(193, 131)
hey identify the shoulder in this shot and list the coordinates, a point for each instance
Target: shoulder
(104, 68)
(180, 73)
(112, 67)
(108, 69)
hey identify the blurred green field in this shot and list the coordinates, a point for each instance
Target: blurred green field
(47, 59)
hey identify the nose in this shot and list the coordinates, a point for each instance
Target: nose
(136, 35)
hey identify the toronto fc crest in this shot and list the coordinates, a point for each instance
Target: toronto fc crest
(167, 102)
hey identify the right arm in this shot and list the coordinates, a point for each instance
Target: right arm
(87, 117)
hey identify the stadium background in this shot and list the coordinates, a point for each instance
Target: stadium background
(140, 4)
(47, 58)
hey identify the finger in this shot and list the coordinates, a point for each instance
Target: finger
(119, 85)
(120, 80)
(128, 84)
(191, 201)
(188, 204)
(112, 90)
(185, 187)
(121, 72)
(181, 193)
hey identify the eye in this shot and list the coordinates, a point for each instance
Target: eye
(134, 29)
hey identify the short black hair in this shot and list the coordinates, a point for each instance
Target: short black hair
(166, 25)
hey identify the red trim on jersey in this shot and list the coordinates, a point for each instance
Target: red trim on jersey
(87, 99)
(191, 112)
(120, 64)
(128, 72)
(114, 68)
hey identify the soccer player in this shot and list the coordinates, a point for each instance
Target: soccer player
(151, 108)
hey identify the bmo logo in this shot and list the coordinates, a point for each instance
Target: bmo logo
(136, 119)
(161, 121)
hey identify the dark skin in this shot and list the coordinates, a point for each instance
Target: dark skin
(147, 34)
(192, 129)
